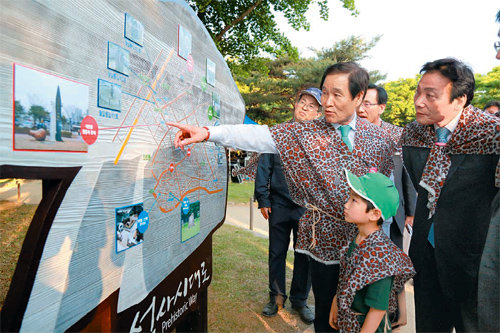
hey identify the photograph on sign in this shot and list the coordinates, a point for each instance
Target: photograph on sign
(185, 40)
(118, 59)
(134, 30)
(129, 226)
(190, 220)
(211, 72)
(216, 104)
(48, 110)
(109, 95)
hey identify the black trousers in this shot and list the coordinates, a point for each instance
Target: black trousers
(434, 311)
(396, 235)
(324, 284)
(283, 221)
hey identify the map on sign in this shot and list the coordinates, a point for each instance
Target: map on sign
(95, 94)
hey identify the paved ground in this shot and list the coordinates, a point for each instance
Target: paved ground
(30, 192)
(239, 215)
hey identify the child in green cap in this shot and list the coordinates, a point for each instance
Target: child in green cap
(374, 269)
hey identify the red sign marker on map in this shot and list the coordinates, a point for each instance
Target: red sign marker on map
(190, 63)
(189, 152)
(89, 130)
(171, 167)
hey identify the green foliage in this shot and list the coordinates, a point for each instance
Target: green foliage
(38, 112)
(400, 109)
(244, 30)
(270, 95)
(487, 88)
(18, 109)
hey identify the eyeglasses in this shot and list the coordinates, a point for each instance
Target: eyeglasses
(308, 107)
(497, 46)
(368, 104)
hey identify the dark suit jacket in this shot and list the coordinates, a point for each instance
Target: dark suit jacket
(407, 194)
(489, 275)
(461, 219)
(270, 183)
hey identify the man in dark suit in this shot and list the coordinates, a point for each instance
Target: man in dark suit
(275, 203)
(371, 109)
(452, 155)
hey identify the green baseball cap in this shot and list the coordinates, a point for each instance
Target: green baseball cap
(378, 189)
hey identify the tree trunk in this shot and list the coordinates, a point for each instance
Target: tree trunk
(237, 20)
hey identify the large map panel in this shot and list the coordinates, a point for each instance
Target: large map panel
(105, 77)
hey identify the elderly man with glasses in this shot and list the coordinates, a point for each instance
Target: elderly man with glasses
(276, 205)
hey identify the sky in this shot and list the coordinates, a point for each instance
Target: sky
(413, 32)
(36, 87)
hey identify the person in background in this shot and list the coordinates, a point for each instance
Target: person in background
(371, 109)
(276, 205)
(493, 107)
(452, 153)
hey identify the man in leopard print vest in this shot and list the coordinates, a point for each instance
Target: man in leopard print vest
(314, 155)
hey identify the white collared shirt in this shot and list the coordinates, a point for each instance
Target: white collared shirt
(244, 137)
(452, 125)
(352, 125)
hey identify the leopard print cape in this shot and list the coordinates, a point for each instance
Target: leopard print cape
(250, 170)
(377, 257)
(476, 133)
(314, 158)
(394, 132)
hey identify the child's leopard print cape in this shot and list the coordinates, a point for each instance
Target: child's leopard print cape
(476, 133)
(314, 158)
(377, 257)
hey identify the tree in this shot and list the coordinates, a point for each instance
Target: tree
(270, 95)
(38, 112)
(19, 110)
(487, 88)
(244, 30)
(400, 109)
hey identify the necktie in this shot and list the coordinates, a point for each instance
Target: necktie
(344, 130)
(442, 138)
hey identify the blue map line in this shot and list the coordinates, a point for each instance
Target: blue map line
(143, 99)
(173, 196)
(154, 203)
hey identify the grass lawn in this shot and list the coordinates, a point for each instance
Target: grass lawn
(14, 224)
(240, 193)
(239, 288)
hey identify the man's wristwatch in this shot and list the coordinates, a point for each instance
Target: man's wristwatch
(208, 133)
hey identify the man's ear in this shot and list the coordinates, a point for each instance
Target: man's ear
(375, 214)
(460, 102)
(382, 109)
(359, 98)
